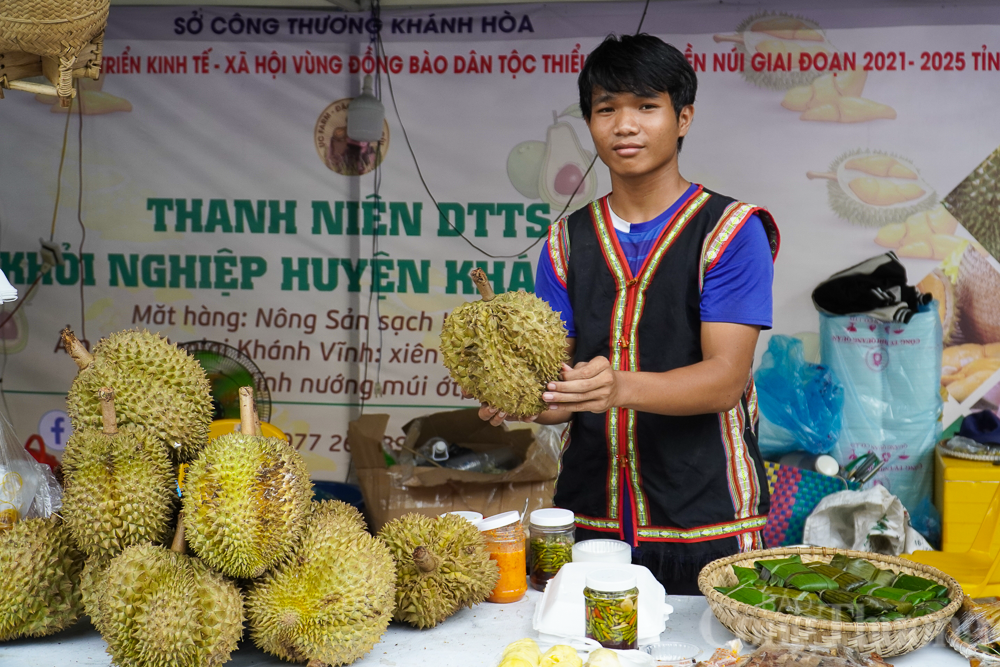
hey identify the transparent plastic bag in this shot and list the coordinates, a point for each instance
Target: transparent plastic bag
(28, 489)
(979, 625)
(783, 655)
(803, 399)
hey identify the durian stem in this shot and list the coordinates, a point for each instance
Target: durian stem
(247, 411)
(813, 175)
(425, 560)
(76, 349)
(483, 283)
(179, 544)
(257, 430)
(107, 396)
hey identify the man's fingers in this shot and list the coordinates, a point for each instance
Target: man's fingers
(560, 399)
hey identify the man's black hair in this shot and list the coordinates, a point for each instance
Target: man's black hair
(639, 64)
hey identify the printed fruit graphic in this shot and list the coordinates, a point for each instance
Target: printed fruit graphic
(965, 367)
(119, 486)
(246, 498)
(977, 289)
(157, 385)
(940, 286)
(161, 608)
(333, 601)
(976, 203)
(442, 565)
(524, 167)
(39, 575)
(860, 195)
(14, 332)
(504, 348)
(557, 171)
(836, 98)
(923, 235)
(778, 36)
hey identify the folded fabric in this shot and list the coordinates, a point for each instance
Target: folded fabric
(982, 426)
(876, 287)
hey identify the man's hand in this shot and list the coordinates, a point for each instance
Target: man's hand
(496, 417)
(591, 386)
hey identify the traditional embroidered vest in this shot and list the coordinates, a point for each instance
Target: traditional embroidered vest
(690, 478)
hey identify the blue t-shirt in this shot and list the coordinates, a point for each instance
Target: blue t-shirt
(737, 288)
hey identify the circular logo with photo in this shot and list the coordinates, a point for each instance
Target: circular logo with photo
(877, 358)
(342, 154)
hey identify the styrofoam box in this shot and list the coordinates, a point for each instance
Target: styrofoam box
(560, 612)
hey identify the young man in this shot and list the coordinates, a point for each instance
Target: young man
(664, 287)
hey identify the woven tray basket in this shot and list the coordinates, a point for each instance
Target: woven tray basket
(51, 27)
(968, 650)
(756, 626)
(988, 458)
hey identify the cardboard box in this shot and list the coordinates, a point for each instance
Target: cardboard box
(392, 491)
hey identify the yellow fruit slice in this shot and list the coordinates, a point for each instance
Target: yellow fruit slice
(852, 83)
(880, 165)
(878, 192)
(798, 98)
(962, 389)
(918, 250)
(824, 112)
(944, 245)
(858, 110)
(891, 236)
(941, 220)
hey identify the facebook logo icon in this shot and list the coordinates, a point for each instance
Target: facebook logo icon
(55, 429)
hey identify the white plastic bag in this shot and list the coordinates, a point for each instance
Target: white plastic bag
(26, 486)
(872, 520)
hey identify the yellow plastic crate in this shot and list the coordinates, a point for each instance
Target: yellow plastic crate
(962, 492)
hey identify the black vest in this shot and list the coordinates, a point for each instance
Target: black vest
(690, 478)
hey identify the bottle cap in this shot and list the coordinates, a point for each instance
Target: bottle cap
(472, 517)
(552, 516)
(611, 581)
(499, 520)
(826, 465)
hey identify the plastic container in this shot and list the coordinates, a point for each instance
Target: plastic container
(821, 463)
(611, 601)
(495, 460)
(505, 540)
(612, 552)
(672, 654)
(473, 517)
(550, 536)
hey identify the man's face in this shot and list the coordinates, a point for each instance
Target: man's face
(636, 136)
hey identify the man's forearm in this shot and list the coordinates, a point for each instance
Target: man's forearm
(702, 388)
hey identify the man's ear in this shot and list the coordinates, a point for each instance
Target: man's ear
(684, 120)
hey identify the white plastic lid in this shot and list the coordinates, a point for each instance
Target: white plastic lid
(611, 581)
(827, 465)
(474, 517)
(552, 516)
(499, 520)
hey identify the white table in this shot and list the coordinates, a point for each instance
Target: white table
(471, 638)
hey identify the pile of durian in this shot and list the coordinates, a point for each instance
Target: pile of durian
(306, 577)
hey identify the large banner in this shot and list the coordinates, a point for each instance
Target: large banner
(223, 201)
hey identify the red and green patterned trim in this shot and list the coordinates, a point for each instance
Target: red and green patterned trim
(716, 242)
(559, 249)
(702, 533)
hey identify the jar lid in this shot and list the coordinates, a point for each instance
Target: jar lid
(827, 465)
(611, 580)
(474, 517)
(499, 520)
(552, 516)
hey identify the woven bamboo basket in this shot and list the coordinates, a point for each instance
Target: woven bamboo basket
(58, 39)
(987, 458)
(969, 651)
(756, 626)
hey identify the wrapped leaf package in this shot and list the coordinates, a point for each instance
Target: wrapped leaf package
(858, 606)
(811, 609)
(504, 349)
(157, 385)
(908, 582)
(442, 565)
(898, 594)
(39, 575)
(332, 602)
(845, 580)
(790, 572)
(245, 499)
(119, 486)
(862, 568)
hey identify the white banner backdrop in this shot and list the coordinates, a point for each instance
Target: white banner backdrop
(219, 201)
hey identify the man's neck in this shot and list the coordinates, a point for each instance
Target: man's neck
(640, 199)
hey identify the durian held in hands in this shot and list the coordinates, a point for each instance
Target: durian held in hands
(119, 485)
(246, 499)
(332, 602)
(39, 579)
(442, 565)
(158, 607)
(157, 385)
(503, 349)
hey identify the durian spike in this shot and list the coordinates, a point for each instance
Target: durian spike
(483, 283)
(247, 411)
(107, 395)
(425, 560)
(179, 544)
(316, 663)
(76, 349)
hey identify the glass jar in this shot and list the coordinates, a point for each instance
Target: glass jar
(612, 608)
(505, 541)
(551, 537)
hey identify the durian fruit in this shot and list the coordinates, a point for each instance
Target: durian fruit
(161, 608)
(788, 32)
(976, 203)
(787, 27)
(442, 565)
(92, 580)
(245, 499)
(602, 657)
(826, 89)
(561, 655)
(977, 289)
(849, 110)
(504, 349)
(118, 485)
(39, 575)
(940, 286)
(522, 653)
(849, 206)
(332, 602)
(923, 235)
(157, 385)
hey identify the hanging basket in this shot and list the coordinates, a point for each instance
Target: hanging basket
(57, 39)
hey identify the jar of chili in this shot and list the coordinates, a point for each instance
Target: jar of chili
(551, 539)
(612, 608)
(505, 541)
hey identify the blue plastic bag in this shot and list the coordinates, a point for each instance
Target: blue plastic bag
(892, 405)
(799, 398)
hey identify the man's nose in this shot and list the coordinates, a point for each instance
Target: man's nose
(626, 122)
